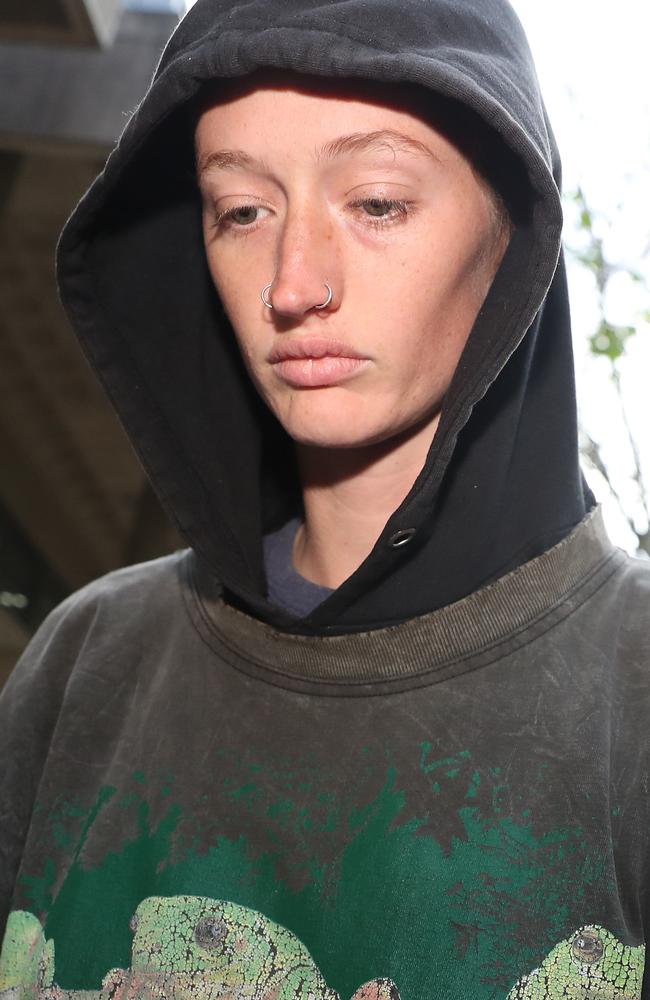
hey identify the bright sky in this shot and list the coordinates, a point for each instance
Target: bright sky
(591, 58)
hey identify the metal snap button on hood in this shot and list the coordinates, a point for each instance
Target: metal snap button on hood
(400, 538)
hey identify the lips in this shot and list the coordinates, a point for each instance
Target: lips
(315, 362)
(312, 347)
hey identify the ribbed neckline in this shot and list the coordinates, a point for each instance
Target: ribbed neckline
(453, 639)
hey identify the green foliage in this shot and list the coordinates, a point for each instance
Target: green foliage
(609, 340)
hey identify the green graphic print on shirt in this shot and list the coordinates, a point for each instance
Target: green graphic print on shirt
(371, 891)
(591, 963)
(184, 947)
(188, 947)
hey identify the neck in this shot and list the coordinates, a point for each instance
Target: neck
(348, 496)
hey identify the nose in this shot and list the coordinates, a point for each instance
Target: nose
(306, 266)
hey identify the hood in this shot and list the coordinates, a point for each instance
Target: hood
(501, 483)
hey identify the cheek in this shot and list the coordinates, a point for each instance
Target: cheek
(427, 318)
(240, 306)
(224, 279)
(431, 272)
(235, 292)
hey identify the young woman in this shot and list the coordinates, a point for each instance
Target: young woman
(379, 731)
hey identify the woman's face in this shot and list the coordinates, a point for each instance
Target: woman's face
(341, 184)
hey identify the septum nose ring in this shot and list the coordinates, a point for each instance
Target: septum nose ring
(269, 305)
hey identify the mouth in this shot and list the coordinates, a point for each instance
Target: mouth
(315, 362)
(299, 348)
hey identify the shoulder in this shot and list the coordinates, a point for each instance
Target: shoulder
(634, 611)
(107, 612)
(149, 584)
(618, 628)
(620, 606)
(632, 588)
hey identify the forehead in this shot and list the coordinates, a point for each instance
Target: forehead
(270, 105)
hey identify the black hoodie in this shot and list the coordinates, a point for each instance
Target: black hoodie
(501, 483)
(433, 784)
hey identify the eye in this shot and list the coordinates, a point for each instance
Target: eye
(239, 217)
(210, 932)
(379, 206)
(383, 211)
(587, 947)
(377, 212)
(242, 215)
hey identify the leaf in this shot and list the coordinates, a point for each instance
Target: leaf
(609, 340)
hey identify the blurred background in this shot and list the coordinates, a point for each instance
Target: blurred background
(74, 502)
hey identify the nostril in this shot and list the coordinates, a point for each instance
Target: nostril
(291, 302)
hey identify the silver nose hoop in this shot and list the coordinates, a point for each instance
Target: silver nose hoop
(269, 305)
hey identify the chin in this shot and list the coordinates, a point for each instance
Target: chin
(334, 431)
(323, 439)
(336, 418)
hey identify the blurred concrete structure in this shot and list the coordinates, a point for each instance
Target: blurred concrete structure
(60, 22)
(74, 502)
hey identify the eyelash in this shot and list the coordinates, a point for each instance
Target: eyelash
(400, 210)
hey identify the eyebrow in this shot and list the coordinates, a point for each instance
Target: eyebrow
(344, 145)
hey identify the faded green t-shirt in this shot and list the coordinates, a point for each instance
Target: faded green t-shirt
(197, 805)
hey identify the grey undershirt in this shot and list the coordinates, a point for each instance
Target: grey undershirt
(286, 587)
